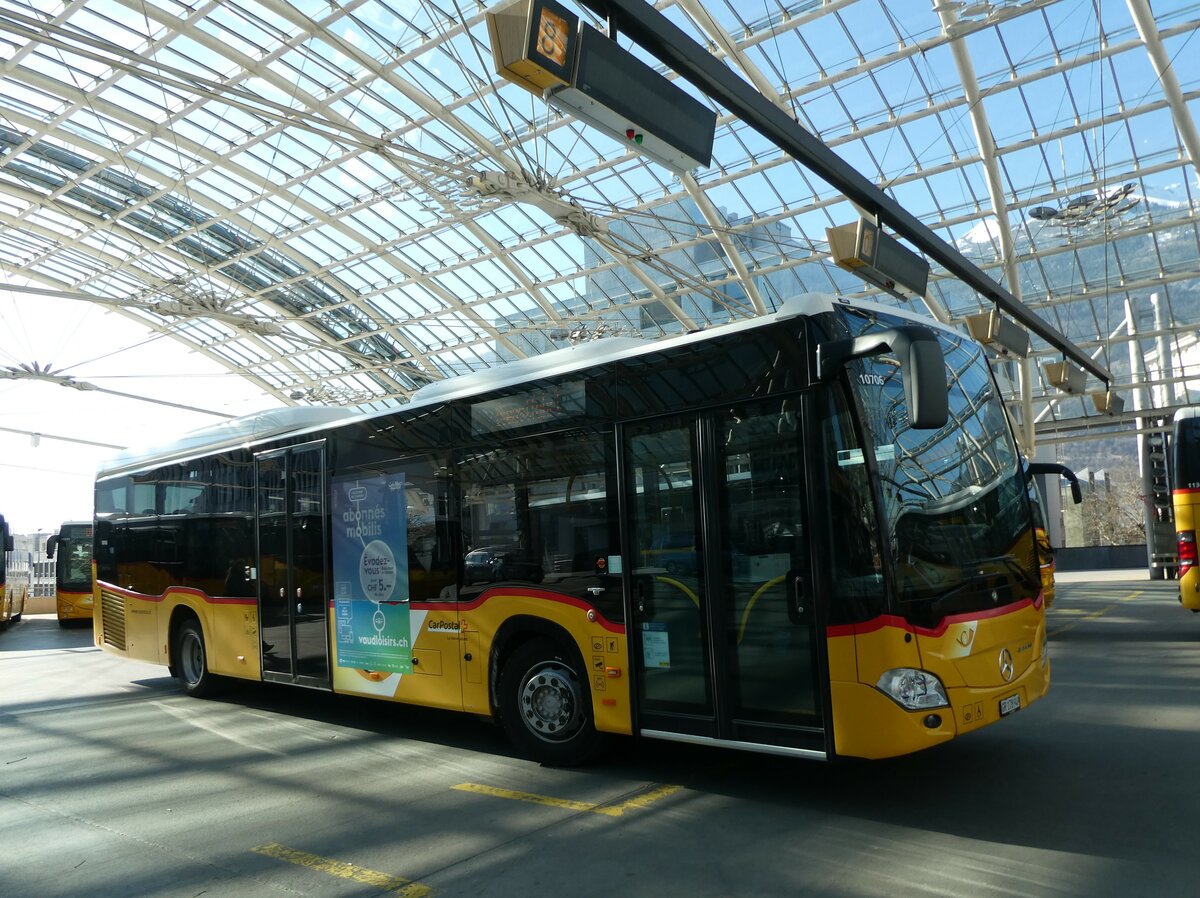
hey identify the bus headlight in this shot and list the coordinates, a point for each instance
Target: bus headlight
(915, 690)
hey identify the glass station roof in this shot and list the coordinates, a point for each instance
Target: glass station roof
(342, 201)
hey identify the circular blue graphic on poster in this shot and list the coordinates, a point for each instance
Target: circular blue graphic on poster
(377, 571)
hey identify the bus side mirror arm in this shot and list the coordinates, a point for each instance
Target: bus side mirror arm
(1049, 467)
(922, 367)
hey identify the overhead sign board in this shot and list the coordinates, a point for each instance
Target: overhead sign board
(862, 248)
(614, 91)
(534, 43)
(542, 47)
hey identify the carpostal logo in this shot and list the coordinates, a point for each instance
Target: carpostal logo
(443, 625)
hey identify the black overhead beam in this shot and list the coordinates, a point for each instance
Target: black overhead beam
(657, 35)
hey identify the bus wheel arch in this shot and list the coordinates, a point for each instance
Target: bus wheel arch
(541, 693)
(189, 653)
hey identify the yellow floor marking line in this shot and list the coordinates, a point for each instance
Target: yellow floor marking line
(608, 810)
(1092, 615)
(395, 884)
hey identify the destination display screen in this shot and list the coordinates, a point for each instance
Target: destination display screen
(542, 405)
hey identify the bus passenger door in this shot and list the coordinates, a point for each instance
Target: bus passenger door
(293, 607)
(722, 613)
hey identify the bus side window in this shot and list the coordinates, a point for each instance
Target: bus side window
(535, 511)
(432, 529)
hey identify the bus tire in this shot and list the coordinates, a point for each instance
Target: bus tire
(191, 660)
(546, 705)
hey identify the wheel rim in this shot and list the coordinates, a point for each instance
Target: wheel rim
(191, 652)
(551, 702)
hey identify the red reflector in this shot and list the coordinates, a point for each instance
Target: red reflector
(1187, 551)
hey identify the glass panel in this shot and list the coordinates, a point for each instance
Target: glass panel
(535, 510)
(668, 591)
(766, 616)
(846, 513)
(308, 564)
(270, 486)
(274, 626)
(954, 499)
(75, 557)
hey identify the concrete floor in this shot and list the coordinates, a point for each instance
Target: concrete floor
(112, 783)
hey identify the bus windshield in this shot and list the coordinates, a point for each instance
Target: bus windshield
(954, 505)
(74, 565)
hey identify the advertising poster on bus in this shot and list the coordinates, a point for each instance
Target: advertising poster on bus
(370, 573)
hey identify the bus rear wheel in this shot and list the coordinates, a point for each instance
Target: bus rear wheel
(545, 705)
(191, 660)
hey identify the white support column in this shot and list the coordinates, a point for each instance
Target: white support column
(991, 168)
(1147, 28)
(719, 227)
(987, 147)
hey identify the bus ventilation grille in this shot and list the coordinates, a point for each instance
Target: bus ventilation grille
(112, 617)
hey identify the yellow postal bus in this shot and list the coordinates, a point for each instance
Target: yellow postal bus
(13, 589)
(73, 571)
(1185, 497)
(806, 534)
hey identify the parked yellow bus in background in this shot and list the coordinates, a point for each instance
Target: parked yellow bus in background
(13, 590)
(72, 571)
(805, 534)
(1185, 497)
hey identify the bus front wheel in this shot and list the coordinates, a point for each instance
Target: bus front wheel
(191, 660)
(545, 705)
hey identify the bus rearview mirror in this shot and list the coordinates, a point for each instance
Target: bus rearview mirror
(922, 368)
(1049, 467)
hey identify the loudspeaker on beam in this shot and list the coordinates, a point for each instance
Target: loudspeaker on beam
(1005, 337)
(1067, 377)
(1108, 403)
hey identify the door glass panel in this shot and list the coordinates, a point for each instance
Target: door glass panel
(669, 597)
(274, 622)
(766, 614)
(307, 521)
(293, 612)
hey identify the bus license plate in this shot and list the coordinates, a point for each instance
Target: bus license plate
(1010, 704)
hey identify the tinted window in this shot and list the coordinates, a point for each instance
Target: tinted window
(536, 512)
(714, 372)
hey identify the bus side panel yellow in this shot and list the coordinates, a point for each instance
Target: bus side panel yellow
(602, 648)
(868, 724)
(843, 660)
(444, 678)
(142, 628)
(885, 648)
(231, 637)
